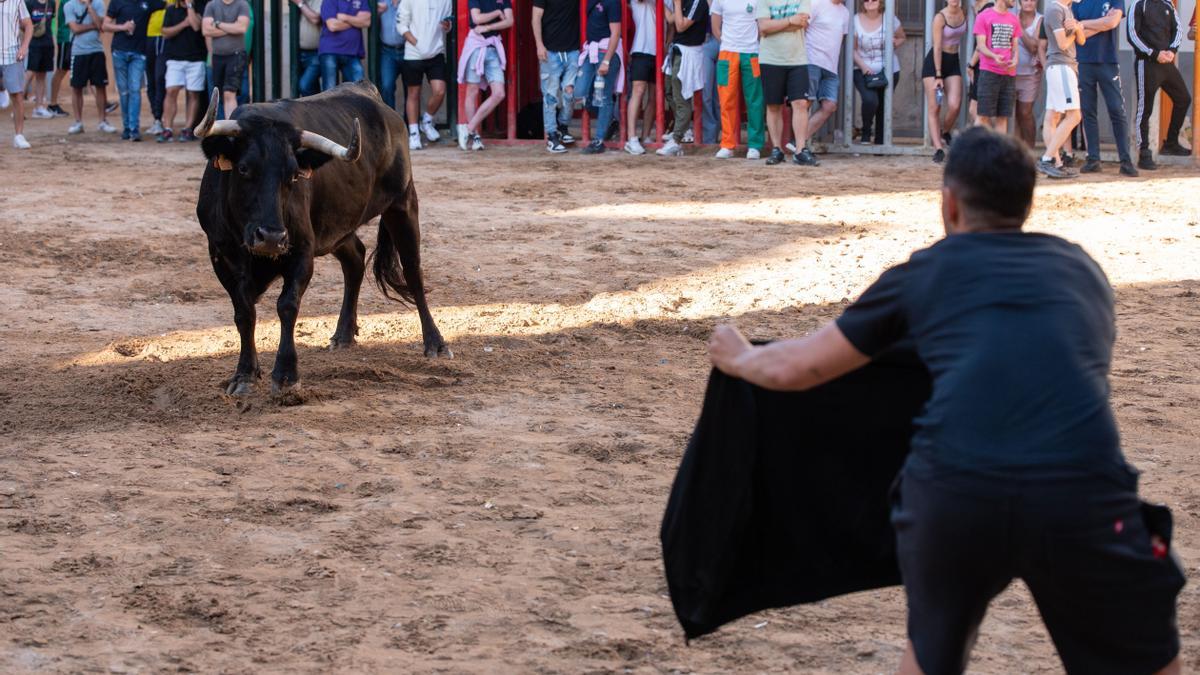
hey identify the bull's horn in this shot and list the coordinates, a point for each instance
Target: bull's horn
(319, 143)
(210, 125)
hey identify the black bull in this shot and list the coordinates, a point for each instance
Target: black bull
(277, 192)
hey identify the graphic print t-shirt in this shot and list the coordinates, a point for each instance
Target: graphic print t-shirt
(785, 48)
(39, 12)
(998, 29)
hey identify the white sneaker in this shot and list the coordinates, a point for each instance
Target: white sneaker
(20, 143)
(76, 128)
(414, 141)
(667, 136)
(476, 142)
(106, 128)
(463, 135)
(431, 132)
(42, 114)
(752, 153)
(670, 149)
(155, 129)
(724, 153)
(634, 147)
(689, 137)
(4, 100)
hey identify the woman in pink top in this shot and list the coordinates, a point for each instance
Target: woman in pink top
(942, 71)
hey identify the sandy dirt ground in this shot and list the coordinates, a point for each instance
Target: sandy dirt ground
(497, 512)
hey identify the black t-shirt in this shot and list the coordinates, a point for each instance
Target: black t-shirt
(600, 14)
(697, 10)
(42, 15)
(560, 24)
(486, 6)
(1017, 331)
(139, 11)
(188, 45)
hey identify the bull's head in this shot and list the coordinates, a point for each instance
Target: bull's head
(264, 160)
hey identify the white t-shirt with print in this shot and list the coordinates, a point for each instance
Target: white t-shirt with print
(739, 25)
(823, 38)
(12, 13)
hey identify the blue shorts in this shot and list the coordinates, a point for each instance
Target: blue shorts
(491, 66)
(822, 84)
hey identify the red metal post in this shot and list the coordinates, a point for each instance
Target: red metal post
(658, 77)
(584, 118)
(623, 108)
(510, 77)
(697, 114)
(462, 25)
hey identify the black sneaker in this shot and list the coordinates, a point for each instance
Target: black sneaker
(564, 135)
(1049, 169)
(805, 158)
(614, 127)
(1147, 163)
(110, 108)
(947, 139)
(1068, 160)
(125, 134)
(57, 110)
(1128, 169)
(776, 157)
(1174, 150)
(1091, 166)
(554, 143)
(939, 156)
(135, 136)
(593, 148)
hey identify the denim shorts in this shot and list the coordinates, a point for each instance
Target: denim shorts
(822, 84)
(491, 66)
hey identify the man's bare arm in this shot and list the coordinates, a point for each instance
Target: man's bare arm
(789, 365)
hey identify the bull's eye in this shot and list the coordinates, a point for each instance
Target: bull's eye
(243, 170)
(295, 177)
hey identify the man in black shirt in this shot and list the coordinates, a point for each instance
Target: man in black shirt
(126, 20)
(687, 68)
(1016, 469)
(185, 52)
(556, 31)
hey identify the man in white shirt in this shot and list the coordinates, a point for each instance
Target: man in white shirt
(16, 30)
(423, 25)
(735, 24)
(829, 24)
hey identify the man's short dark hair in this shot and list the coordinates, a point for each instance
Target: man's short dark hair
(992, 175)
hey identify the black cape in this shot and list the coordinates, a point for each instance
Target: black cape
(782, 498)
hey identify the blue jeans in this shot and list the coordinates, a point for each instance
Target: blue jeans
(558, 73)
(1107, 76)
(310, 72)
(583, 90)
(391, 63)
(130, 68)
(350, 67)
(710, 114)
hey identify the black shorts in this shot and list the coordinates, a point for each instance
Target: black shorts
(89, 69)
(228, 69)
(783, 82)
(642, 68)
(63, 62)
(1081, 544)
(973, 90)
(950, 65)
(41, 58)
(997, 94)
(432, 69)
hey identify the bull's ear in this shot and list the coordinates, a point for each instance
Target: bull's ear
(217, 146)
(311, 160)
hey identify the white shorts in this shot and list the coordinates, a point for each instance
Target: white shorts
(189, 74)
(1062, 88)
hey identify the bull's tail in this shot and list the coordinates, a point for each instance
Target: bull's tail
(385, 263)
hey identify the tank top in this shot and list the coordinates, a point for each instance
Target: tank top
(953, 35)
(1026, 59)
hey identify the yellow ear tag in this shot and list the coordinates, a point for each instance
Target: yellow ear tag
(304, 173)
(222, 163)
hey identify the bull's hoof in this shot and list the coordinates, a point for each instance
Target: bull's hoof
(287, 393)
(239, 386)
(438, 351)
(341, 342)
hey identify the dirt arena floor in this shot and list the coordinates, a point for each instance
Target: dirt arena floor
(497, 512)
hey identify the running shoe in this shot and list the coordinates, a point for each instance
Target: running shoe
(5, 101)
(554, 144)
(805, 158)
(156, 128)
(724, 153)
(107, 128)
(753, 154)
(634, 147)
(670, 149)
(57, 110)
(167, 136)
(939, 156)
(594, 148)
(42, 114)
(1051, 170)
(476, 142)
(776, 157)
(1129, 170)
(565, 133)
(1174, 150)
(76, 128)
(1091, 166)
(430, 129)
(20, 143)
(463, 136)
(414, 140)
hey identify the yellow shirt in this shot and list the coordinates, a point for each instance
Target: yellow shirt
(154, 27)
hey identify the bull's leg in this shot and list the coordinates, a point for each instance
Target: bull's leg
(285, 375)
(244, 317)
(352, 255)
(401, 221)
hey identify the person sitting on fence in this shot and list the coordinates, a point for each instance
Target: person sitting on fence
(423, 26)
(942, 72)
(481, 65)
(823, 40)
(686, 67)
(556, 32)
(643, 75)
(996, 34)
(735, 23)
(601, 76)
(341, 45)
